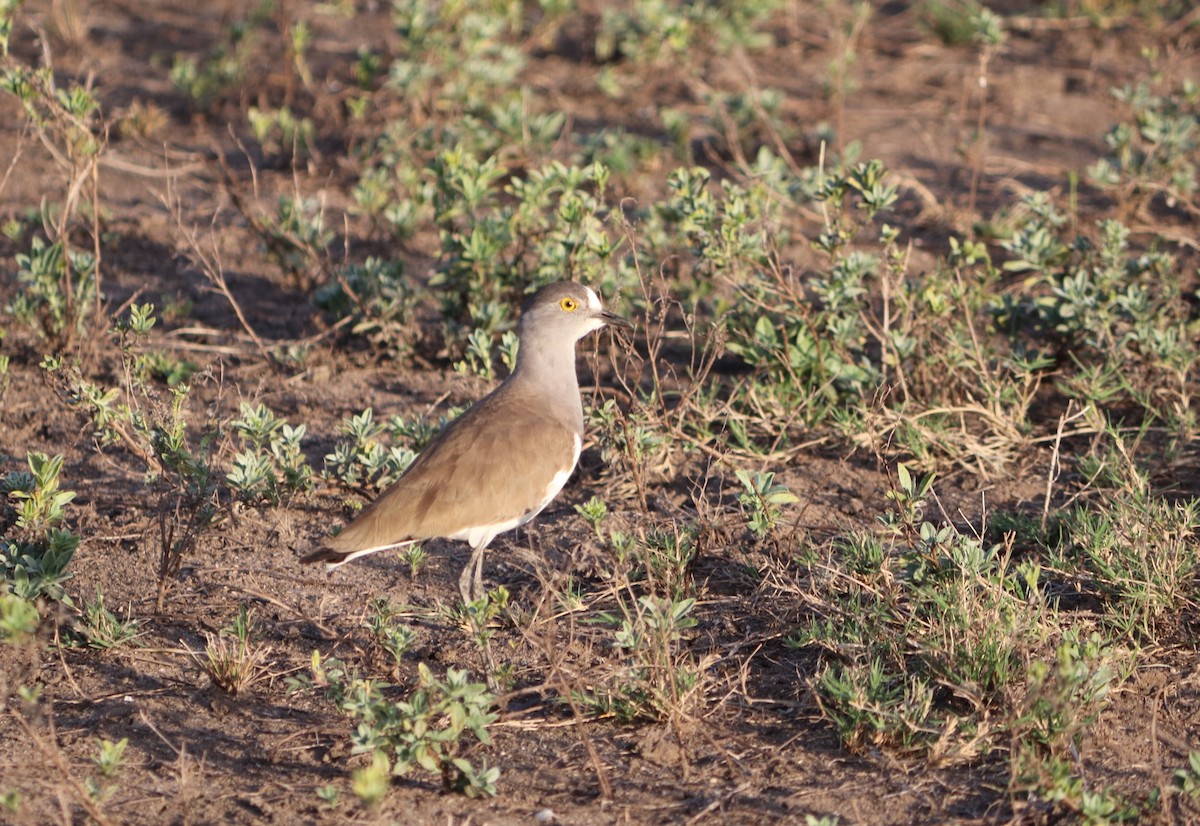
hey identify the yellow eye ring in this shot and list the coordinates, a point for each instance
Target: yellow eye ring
(569, 304)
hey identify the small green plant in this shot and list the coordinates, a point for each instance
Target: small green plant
(327, 675)
(461, 56)
(1153, 152)
(667, 552)
(159, 431)
(870, 705)
(808, 348)
(823, 820)
(626, 437)
(370, 783)
(231, 659)
(1061, 699)
(427, 729)
(394, 638)
(330, 795)
(501, 234)
(480, 359)
(34, 550)
(209, 78)
(108, 759)
(380, 299)
(761, 501)
(19, 619)
(271, 465)
(479, 615)
(186, 480)
(1137, 551)
(296, 238)
(594, 511)
(57, 292)
(909, 495)
(101, 629)
(927, 632)
(156, 365)
(281, 132)
(853, 197)
(414, 556)
(658, 678)
(1187, 779)
(59, 286)
(360, 459)
(951, 21)
(110, 755)
(657, 558)
(661, 32)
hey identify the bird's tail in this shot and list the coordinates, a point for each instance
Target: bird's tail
(329, 556)
(335, 559)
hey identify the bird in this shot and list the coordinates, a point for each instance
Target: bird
(500, 463)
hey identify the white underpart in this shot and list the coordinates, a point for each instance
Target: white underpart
(480, 535)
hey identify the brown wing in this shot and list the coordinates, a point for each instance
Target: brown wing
(472, 474)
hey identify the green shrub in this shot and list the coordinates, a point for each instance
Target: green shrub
(34, 549)
(427, 730)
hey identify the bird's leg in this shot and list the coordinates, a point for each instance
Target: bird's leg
(472, 589)
(464, 583)
(478, 588)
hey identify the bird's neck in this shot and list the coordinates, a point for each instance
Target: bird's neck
(548, 366)
(552, 371)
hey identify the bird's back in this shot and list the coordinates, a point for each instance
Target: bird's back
(467, 476)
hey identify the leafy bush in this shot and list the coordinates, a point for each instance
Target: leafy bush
(34, 550)
(271, 464)
(1154, 151)
(426, 730)
(57, 295)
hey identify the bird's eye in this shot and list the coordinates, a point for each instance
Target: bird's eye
(569, 304)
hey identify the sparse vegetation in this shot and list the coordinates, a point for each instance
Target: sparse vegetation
(897, 473)
(232, 659)
(100, 628)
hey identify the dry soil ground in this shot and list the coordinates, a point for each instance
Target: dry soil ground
(756, 750)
